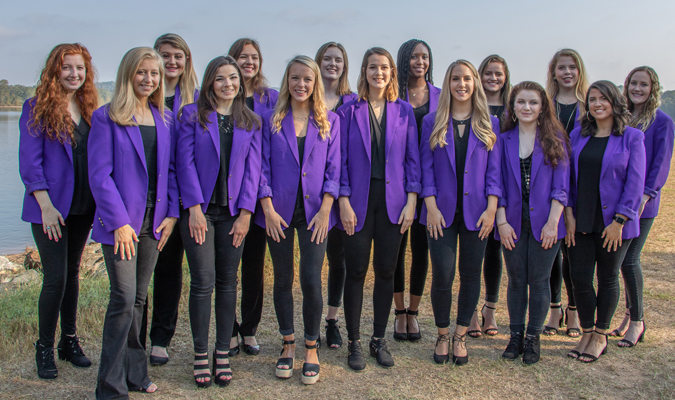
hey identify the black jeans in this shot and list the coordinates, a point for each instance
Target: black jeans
(583, 258)
(492, 269)
(337, 269)
(311, 262)
(419, 265)
(214, 263)
(443, 253)
(123, 363)
(385, 238)
(561, 273)
(528, 266)
(632, 271)
(61, 269)
(252, 281)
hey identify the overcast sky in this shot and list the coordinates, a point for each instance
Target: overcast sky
(612, 36)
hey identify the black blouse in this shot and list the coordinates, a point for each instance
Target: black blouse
(226, 133)
(299, 217)
(567, 114)
(461, 146)
(149, 136)
(420, 112)
(249, 103)
(497, 111)
(589, 206)
(83, 202)
(168, 102)
(377, 134)
(525, 174)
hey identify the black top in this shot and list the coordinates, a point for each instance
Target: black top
(525, 174)
(589, 206)
(83, 202)
(249, 103)
(339, 103)
(149, 135)
(299, 212)
(461, 146)
(226, 133)
(377, 133)
(420, 112)
(567, 114)
(497, 111)
(168, 102)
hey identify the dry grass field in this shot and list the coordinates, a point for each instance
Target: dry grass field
(647, 371)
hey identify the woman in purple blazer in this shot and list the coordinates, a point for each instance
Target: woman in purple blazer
(298, 184)
(54, 128)
(416, 86)
(461, 184)
(133, 180)
(218, 169)
(168, 277)
(567, 84)
(642, 91)
(334, 64)
(535, 183)
(608, 179)
(379, 183)
(259, 98)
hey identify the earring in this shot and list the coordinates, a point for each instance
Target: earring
(513, 117)
(539, 121)
(589, 116)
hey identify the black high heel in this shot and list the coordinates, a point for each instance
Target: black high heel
(641, 338)
(490, 331)
(442, 358)
(400, 335)
(590, 357)
(70, 350)
(462, 342)
(333, 337)
(285, 373)
(474, 333)
(550, 330)
(202, 367)
(311, 367)
(252, 350)
(571, 332)
(217, 365)
(414, 336)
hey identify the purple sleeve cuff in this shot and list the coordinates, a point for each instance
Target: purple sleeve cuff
(559, 195)
(332, 188)
(429, 191)
(501, 202)
(493, 191)
(628, 212)
(413, 187)
(651, 192)
(345, 191)
(264, 191)
(39, 185)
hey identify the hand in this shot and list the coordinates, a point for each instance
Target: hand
(486, 222)
(612, 236)
(549, 234)
(435, 222)
(274, 222)
(507, 235)
(125, 237)
(407, 216)
(320, 224)
(240, 227)
(347, 216)
(645, 199)
(51, 223)
(166, 227)
(197, 224)
(571, 228)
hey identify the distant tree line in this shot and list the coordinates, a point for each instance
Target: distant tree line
(15, 95)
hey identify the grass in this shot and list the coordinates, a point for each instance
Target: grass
(646, 371)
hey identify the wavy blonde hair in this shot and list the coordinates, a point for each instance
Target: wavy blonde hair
(391, 91)
(124, 101)
(582, 85)
(343, 82)
(317, 104)
(480, 112)
(648, 112)
(188, 80)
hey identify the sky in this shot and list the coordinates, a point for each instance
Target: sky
(612, 37)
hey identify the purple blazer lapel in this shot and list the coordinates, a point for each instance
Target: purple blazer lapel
(433, 97)
(393, 120)
(363, 121)
(176, 101)
(312, 133)
(134, 133)
(239, 135)
(214, 131)
(612, 144)
(288, 128)
(537, 160)
(473, 142)
(513, 146)
(163, 137)
(69, 150)
(450, 147)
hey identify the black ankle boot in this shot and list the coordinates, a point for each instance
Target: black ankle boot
(532, 349)
(70, 350)
(44, 359)
(515, 346)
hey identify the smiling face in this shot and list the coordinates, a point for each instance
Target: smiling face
(599, 106)
(301, 80)
(73, 72)
(493, 77)
(461, 83)
(174, 61)
(227, 82)
(639, 88)
(146, 80)
(249, 62)
(567, 72)
(378, 72)
(332, 64)
(527, 106)
(419, 61)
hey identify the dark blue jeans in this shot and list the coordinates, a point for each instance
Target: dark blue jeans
(631, 269)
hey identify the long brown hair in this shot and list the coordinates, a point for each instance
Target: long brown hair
(554, 143)
(343, 82)
(620, 113)
(208, 101)
(50, 112)
(258, 83)
(648, 112)
(391, 91)
(505, 92)
(188, 80)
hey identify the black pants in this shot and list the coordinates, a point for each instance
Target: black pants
(420, 258)
(61, 269)
(492, 269)
(311, 262)
(123, 364)
(561, 273)
(584, 256)
(168, 284)
(528, 266)
(443, 253)
(632, 271)
(337, 270)
(377, 232)
(213, 264)
(252, 281)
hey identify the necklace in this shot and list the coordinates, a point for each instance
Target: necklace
(557, 109)
(527, 170)
(413, 91)
(301, 118)
(463, 120)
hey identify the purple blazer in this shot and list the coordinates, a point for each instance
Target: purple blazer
(659, 150)
(44, 165)
(177, 100)
(482, 175)
(265, 102)
(546, 184)
(118, 175)
(434, 94)
(282, 172)
(402, 167)
(349, 97)
(621, 179)
(198, 162)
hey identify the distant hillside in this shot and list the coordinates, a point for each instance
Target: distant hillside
(15, 95)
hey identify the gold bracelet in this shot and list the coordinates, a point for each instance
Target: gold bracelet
(503, 223)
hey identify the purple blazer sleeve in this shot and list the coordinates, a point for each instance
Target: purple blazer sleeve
(248, 196)
(561, 181)
(493, 178)
(345, 116)
(427, 157)
(31, 148)
(331, 183)
(413, 172)
(264, 189)
(188, 178)
(635, 175)
(173, 194)
(658, 160)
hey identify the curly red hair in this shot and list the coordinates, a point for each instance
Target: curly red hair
(50, 112)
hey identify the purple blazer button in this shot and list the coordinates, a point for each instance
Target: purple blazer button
(466, 193)
(387, 182)
(466, 172)
(531, 208)
(304, 174)
(158, 200)
(307, 196)
(230, 197)
(230, 176)
(604, 207)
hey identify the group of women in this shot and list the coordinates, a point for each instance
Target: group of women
(224, 170)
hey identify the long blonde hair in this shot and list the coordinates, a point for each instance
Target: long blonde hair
(124, 101)
(480, 113)
(317, 104)
(343, 82)
(648, 112)
(391, 91)
(188, 80)
(580, 89)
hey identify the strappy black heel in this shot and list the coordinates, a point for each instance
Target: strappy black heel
(401, 335)
(220, 378)
(202, 367)
(571, 332)
(414, 336)
(552, 330)
(461, 339)
(489, 331)
(311, 367)
(590, 357)
(442, 358)
(289, 362)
